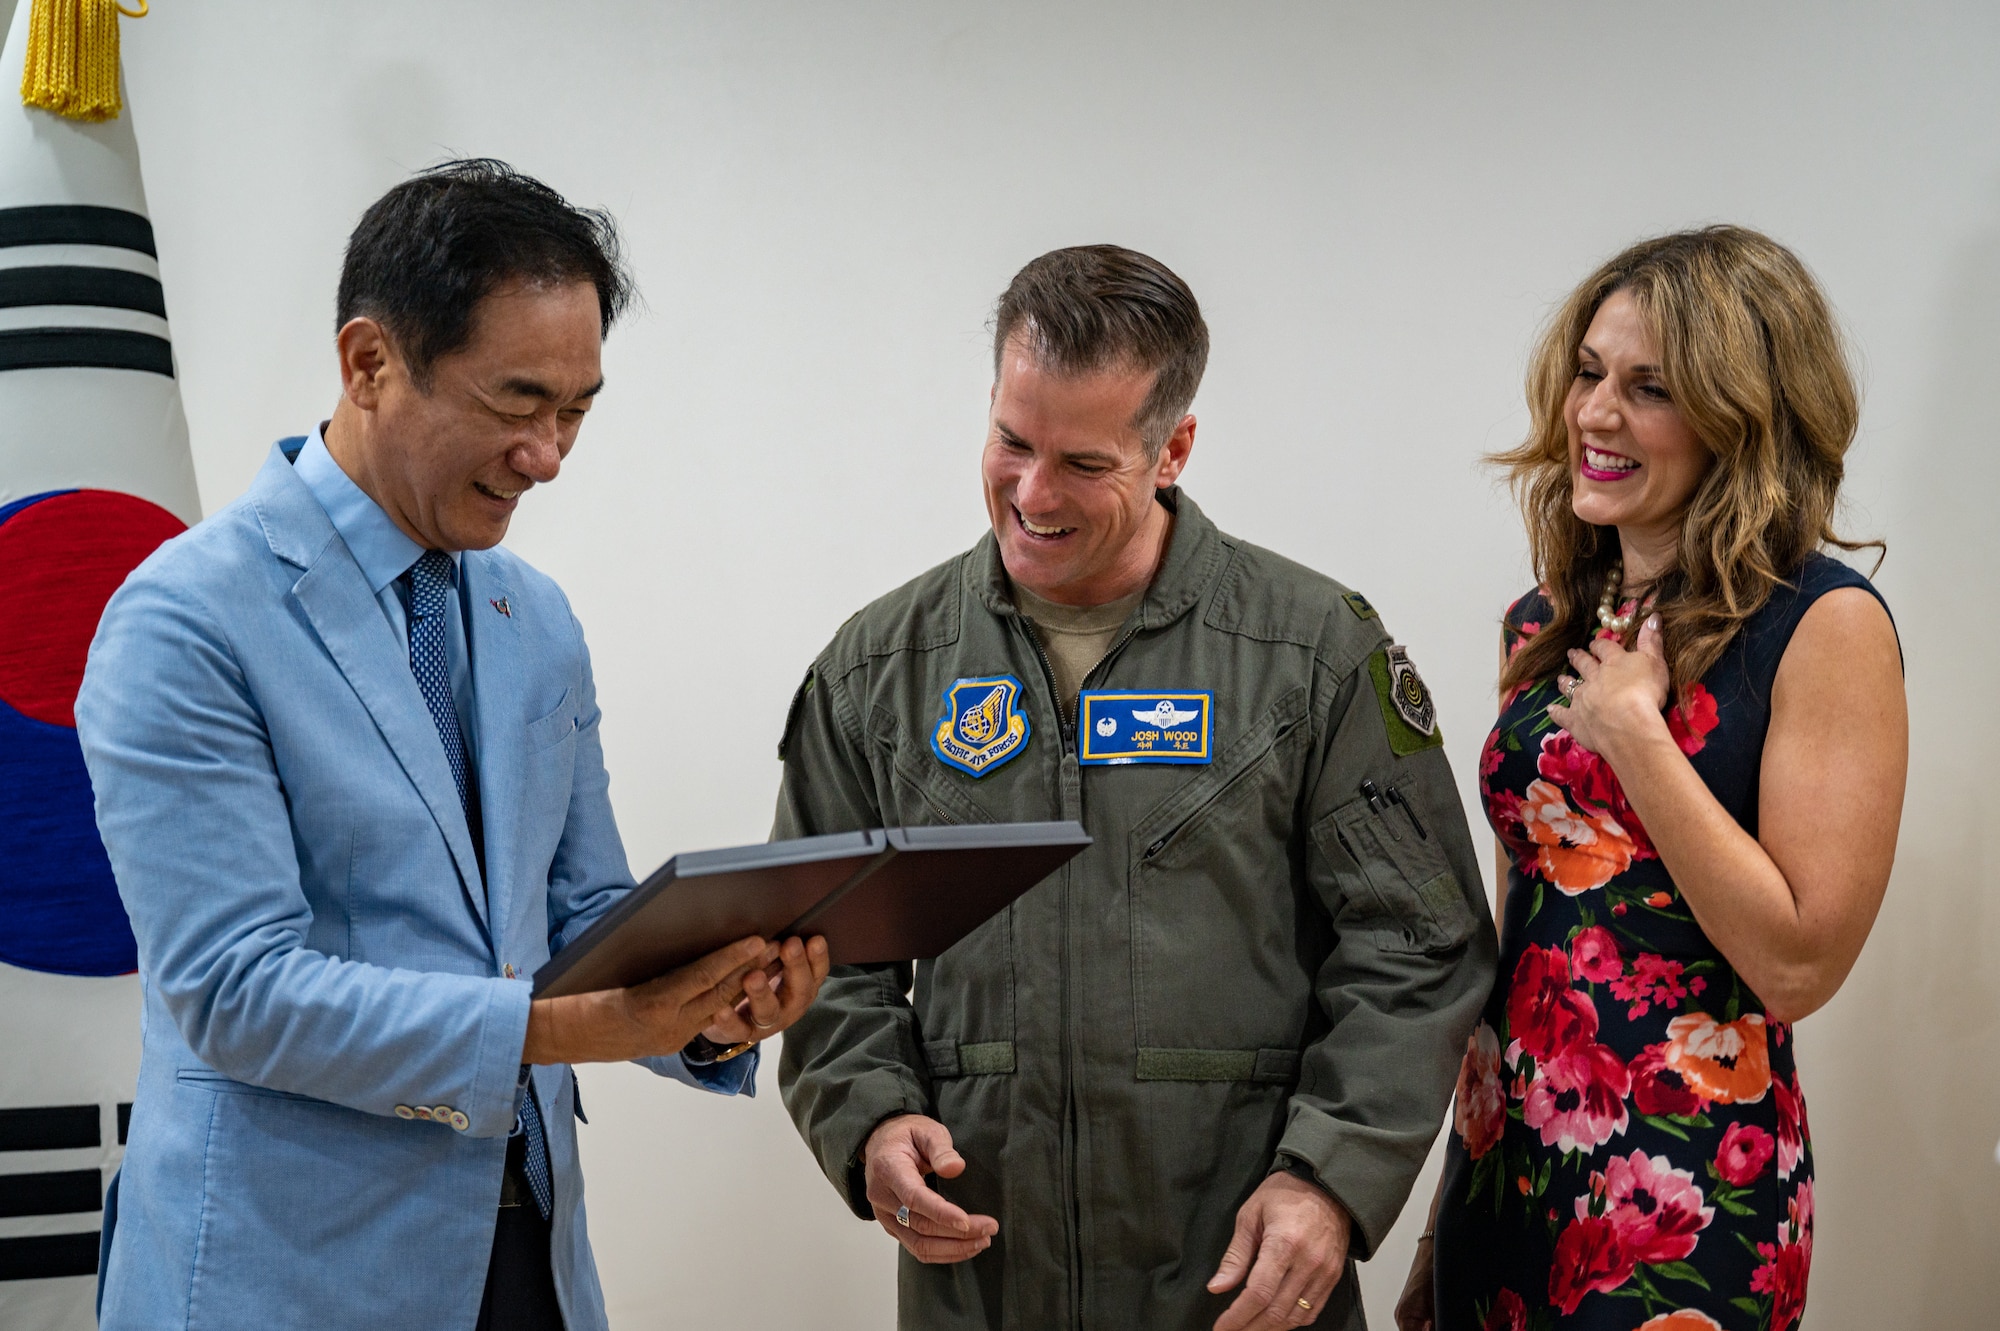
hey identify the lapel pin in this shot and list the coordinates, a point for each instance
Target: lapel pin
(502, 606)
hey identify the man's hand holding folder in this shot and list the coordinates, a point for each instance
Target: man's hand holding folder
(747, 991)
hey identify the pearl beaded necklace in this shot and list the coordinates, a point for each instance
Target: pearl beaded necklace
(1607, 605)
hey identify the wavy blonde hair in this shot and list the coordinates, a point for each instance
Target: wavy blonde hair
(1751, 355)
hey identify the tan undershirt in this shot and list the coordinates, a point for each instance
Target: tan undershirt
(1075, 637)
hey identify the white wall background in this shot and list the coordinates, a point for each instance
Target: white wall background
(1376, 205)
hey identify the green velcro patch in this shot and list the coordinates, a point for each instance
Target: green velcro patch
(1441, 895)
(979, 1060)
(1276, 1066)
(1360, 605)
(949, 1058)
(1409, 713)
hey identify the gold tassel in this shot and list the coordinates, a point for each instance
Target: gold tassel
(72, 63)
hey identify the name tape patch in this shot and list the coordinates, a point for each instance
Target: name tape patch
(1171, 726)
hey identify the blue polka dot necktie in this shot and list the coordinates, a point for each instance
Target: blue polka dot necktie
(429, 581)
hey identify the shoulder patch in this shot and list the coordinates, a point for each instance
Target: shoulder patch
(792, 715)
(1409, 712)
(1360, 605)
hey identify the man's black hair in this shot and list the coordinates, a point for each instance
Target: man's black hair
(427, 252)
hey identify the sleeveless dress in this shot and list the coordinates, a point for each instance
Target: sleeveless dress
(1629, 1145)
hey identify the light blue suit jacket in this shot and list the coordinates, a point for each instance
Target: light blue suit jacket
(320, 956)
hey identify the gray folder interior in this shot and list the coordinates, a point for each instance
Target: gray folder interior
(891, 894)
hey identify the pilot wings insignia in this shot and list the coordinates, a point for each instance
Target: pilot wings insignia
(1165, 715)
(982, 726)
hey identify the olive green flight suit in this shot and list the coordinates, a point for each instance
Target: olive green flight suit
(1254, 957)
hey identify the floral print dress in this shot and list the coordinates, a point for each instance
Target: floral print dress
(1629, 1145)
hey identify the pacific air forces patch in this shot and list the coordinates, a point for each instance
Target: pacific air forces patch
(1408, 710)
(983, 726)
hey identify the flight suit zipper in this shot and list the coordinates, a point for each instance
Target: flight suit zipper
(1110, 655)
(1066, 727)
(1072, 1058)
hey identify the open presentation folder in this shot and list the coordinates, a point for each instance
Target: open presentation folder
(892, 894)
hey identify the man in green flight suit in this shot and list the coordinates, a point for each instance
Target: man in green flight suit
(1214, 1048)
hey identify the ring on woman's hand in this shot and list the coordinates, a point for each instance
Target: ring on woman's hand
(1566, 685)
(764, 1025)
(1306, 1304)
(903, 1216)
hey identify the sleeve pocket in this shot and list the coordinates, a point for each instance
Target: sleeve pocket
(1407, 893)
(554, 728)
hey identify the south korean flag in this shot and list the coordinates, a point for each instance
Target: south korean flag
(94, 474)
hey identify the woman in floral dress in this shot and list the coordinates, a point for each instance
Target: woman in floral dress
(1696, 780)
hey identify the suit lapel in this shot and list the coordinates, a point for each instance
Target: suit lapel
(333, 593)
(495, 644)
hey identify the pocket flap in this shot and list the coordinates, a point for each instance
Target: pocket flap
(1413, 889)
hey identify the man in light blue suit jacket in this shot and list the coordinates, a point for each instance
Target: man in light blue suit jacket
(348, 770)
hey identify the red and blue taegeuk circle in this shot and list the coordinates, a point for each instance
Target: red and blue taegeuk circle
(62, 555)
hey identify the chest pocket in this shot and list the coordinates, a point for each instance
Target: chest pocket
(1212, 876)
(1407, 895)
(1250, 778)
(919, 790)
(964, 999)
(547, 778)
(554, 728)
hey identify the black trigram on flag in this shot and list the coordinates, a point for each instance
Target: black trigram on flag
(49, 1213)
(99, 306)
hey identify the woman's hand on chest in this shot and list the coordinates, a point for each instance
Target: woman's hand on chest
(1614, 698)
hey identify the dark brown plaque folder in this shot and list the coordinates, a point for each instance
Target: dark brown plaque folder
(894, 894)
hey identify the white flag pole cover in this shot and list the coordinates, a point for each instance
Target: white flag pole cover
(94, 474)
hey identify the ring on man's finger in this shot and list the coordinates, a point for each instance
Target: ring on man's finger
(764, 1025)
(903, 1216)
(1306, 1304)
